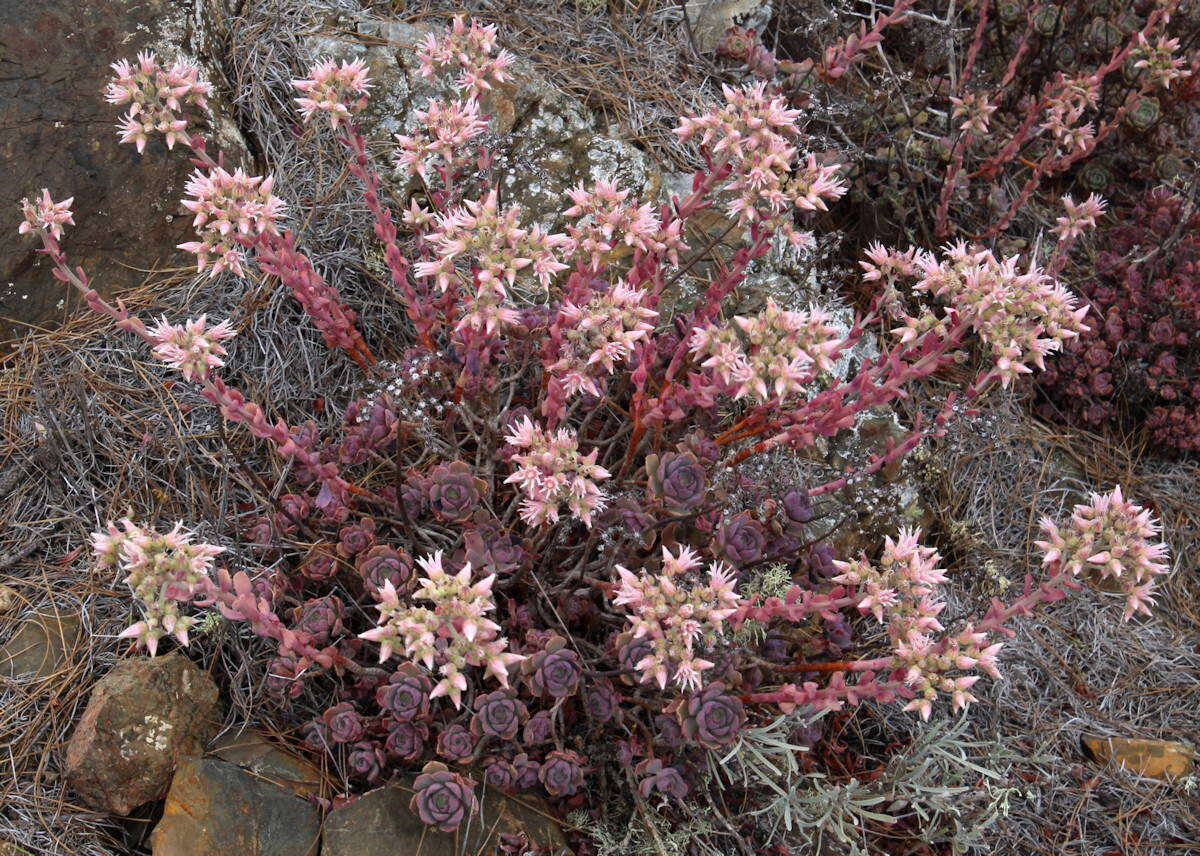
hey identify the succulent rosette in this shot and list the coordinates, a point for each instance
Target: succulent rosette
(561, 772)
(315, 735)
(406, 740)
(284, 678)
(712, 717)
(498, 714)
(797, 511)
(492, 547)
(539, 729)
(600, 702)
(554, 671)
(668, 732)
(442, 799)
(527, 771)
(406, 694)
(632, 650)
(663, 778)
(678, 480)
(500, 774)
(355, 538)
(320, 617)
(345, 723)
(381, 564)
(455, 492)
(740, 539)
(318, 564)
(366, 760)
(455, 743)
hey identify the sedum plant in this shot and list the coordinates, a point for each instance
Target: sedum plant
(583, 513)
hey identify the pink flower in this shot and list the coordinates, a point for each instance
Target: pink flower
(338, 91)
(607, 221)
(975, 111)
(46, 215)
(453, 634)
(551, 472)
(156, 96)
(191, 348)
(1114, 539)
(598, 335)
(467, 51)
(1078, 218)
(228, 206)
(676, 620)
(773, 354)
(445, 128)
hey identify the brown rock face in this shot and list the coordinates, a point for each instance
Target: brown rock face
(380, 823)
(218, 808)
(40, 646)
(56, 131)
(142, 718)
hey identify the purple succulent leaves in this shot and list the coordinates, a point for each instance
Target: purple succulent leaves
(406, 740)
(655, 776)
(499, 774)
(797, 511)
(320, 618)
(366, 760)
(345, 724)
(712, 717)
(456, 744)
(740, 539)
(355, 538)
(454, 492)
(539, 729)
(442, 799)
(561, 773)
(498, 714)
(677, 480)
(382, 564)
(406, 694)
(554, 671)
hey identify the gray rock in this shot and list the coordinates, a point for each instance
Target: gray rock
(379, 823)
(40, 646)
(59, 133)
(143, 717)
(215, 807)
(544, 141)
(270, 762)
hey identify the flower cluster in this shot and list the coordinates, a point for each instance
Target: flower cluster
(1020, 317)
(974, 111)
(753, 136)
(454, 634)
(190, 347)
(606, 221)
(467, 51)
(46, 215)
(598, 335)
(230, 208)
(163, 571)
(552, 472)
(156, 96)
(499, 249)
(446, 126)
(1159, 60)
(1113, 539)
(769, 355)
(336, 90)
(674, 618)
(1079, 217)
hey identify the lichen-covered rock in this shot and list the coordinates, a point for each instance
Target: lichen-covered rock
(218, 808)
(143, 717)
(59, 133)
(544, 141)
(379, 823)
(40, 646)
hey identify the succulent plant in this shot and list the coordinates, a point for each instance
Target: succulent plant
(498, 714)
(561, 772)
(677, 479)
(454, 491)
(406, 740)
(455, 743)
(382, 564)
(442, 799)
(740, 539)
(712, 717)
(345, 724)
(406, 694)
(554, 671)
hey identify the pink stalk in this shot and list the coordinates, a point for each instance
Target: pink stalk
(838, 58)
(422, 313)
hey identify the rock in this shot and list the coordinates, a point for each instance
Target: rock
(7, 848)
(40, 646)
(379, 823)
(216, 807)
(545, 142)
(711, 18)
(1154, 759)
(269, 762)
(59, 133)
(143, 717)
(8, 598)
